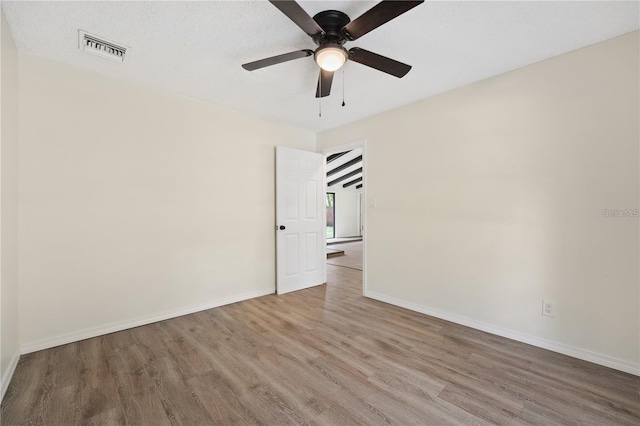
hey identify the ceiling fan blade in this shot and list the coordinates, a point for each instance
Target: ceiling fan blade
(297, 14)
(379, 14)
(324, 82)
(251, 66)
(379, 62)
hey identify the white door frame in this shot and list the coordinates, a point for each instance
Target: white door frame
(341, 148)
(360, 210)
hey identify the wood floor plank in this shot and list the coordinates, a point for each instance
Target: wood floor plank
(181, 405)
(321, 356)
(220, 402)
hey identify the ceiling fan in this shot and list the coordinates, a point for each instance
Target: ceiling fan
(329, 30)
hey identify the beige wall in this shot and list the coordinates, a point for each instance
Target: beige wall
(137, 204)
(490, 198)
(9, 350)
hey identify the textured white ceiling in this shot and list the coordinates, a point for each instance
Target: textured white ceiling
(196, 48)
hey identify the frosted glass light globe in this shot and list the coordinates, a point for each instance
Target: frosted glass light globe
(331, 57)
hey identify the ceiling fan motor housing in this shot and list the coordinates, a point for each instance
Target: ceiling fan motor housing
(332, 23)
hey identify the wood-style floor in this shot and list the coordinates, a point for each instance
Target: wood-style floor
(320, 356)
(352, 257)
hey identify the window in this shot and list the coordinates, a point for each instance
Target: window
(331, 215)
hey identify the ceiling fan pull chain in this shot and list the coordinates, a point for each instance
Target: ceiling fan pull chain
(343, 86)
(320, 97)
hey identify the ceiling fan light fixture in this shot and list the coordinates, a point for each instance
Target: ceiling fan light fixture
(331, 57)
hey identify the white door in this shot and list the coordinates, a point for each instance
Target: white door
(300, 220)
(360, 213)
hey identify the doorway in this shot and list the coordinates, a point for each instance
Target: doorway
(346, 212)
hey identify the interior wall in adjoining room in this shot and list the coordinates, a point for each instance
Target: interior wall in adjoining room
(346, 210)
(9, 292)
(512, 181)
(137, 204)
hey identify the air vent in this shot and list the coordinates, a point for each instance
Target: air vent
(99, 46)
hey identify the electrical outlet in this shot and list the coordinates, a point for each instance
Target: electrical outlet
(549, 308)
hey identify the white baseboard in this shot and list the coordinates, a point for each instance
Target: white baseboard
(6, 377)
(88, 333)
(583, 354)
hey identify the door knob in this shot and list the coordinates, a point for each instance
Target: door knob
(282, 227)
